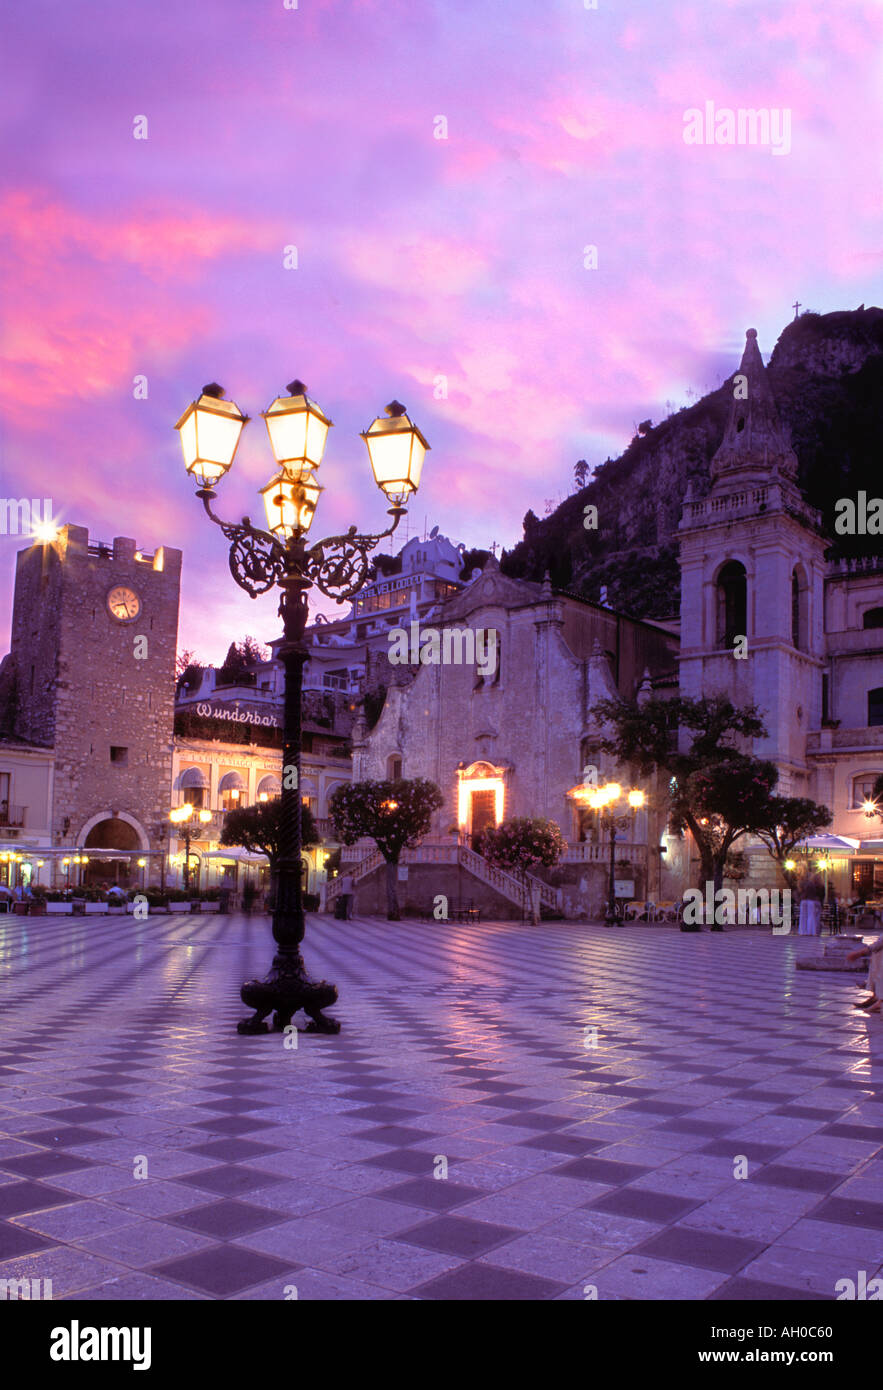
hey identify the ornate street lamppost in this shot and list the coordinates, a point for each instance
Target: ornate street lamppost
(183, 816)
(338, 567)
(602, 801)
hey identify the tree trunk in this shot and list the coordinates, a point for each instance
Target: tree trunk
(392, 901)
(718, 879)
(706, 869)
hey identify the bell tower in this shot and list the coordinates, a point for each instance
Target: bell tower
(752, 579)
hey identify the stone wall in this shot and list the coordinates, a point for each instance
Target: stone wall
(583, 892)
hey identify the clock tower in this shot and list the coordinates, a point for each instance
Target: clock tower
(94, 636)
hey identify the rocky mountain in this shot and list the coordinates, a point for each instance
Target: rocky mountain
(826, 373)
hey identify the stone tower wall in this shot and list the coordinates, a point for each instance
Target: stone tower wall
(99, 684)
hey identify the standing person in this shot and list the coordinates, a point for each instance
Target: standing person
(875, 974)
(346, 896)
(832, 912)
(811, 899)
(248, 895)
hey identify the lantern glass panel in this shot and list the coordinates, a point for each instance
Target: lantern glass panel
(396, 449)
(209, 431)
(298, 432)
(289, 505)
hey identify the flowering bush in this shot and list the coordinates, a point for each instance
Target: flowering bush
(523, 843)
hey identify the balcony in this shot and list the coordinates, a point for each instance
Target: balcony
(826, 740)
(12, 815)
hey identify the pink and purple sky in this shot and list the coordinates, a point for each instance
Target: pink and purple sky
(418, 257)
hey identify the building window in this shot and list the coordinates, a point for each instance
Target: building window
(732, 604)
(863, 788)
(875, 707)
(119, 755)
(795, 610)
(394, 767)
(826, 697)
(873, 618)
(195, 796)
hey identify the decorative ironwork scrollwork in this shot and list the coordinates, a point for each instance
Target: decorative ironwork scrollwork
(255, 564)
(337, 566)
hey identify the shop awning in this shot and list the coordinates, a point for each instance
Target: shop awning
(231, 782)
(193, 777)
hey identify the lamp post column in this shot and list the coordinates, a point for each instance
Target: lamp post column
(186, 856)
(288, 913)
(610, 918)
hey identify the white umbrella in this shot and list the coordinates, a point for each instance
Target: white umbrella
(238, 854)
(840, 844)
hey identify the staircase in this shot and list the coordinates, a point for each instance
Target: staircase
(506, 884)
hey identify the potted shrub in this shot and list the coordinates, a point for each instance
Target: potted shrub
(38, 899)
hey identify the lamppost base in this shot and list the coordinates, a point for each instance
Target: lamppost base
(287, 989)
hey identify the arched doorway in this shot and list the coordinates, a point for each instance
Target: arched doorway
(480, 799)
(109, 835)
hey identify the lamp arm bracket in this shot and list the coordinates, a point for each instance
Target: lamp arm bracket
(257, 560)
(338, 565)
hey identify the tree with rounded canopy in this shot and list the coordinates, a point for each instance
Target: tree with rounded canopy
(395, 815)
(521, 844)
(716, 791)
(787, 821)
(258, 829)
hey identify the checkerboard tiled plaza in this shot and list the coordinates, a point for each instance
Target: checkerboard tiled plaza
(568, 1165)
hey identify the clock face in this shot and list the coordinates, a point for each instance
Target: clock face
(124, 603)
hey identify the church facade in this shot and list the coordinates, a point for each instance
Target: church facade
(520, 738)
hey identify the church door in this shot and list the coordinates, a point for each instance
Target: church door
(482, 814)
